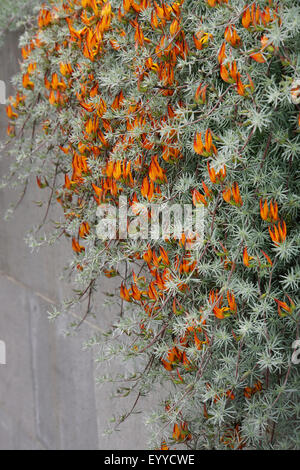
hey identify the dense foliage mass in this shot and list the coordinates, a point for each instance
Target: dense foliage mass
(189, 102)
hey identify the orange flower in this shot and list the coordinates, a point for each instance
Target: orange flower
(176, 432)
(278, 234)
(147, 189)
(258, 57)
(208, 141)
(231, 36)
(76, 247)
(27, 83)
(208, 148)
(152, 292)
(26, 51)
(267, 258)
(208, 193)
(92, 125)
(41, 184)
(246, 19)
(234, 71)
(67, 182)
(256, 17)
(139, 36)
(217, 301)
(224, 73)
(198, 198)
(198, 145)
(201, 39)
(236, 194)
(246, 257)
(250, 391)
(265, 43)
(239, 85)
(124, 293)
(65, 69)
(151, 65)
(233, 193)
(127, 5)
(136, 293)
(164, 446)
(84, 230)
(231, 301)
(117, 170)
(44, 18)
(174, 27)
(227, 195)
(213, 3)
(97, 190)
(118, 101)
(230, 394)
(216, 177)
(164, 256)
(167, 365)
(200, 95)
(264, 210)
(10, 113)
(180, 433)
(270, 215)
(283, 305)
(222, 53)
(174, 356)
(251, 84)
(11, 131)
(156, 173)
(198, 343)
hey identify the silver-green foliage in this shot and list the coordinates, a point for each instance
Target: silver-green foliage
(259, 143)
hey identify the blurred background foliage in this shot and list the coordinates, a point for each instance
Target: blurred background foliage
(15, 14)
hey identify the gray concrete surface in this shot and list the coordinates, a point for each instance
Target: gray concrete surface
(49, 398)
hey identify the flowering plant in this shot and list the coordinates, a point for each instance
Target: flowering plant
(194, 102)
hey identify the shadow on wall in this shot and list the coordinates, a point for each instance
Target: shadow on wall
(48, 393)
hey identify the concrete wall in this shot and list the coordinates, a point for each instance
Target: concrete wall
(48, 393)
